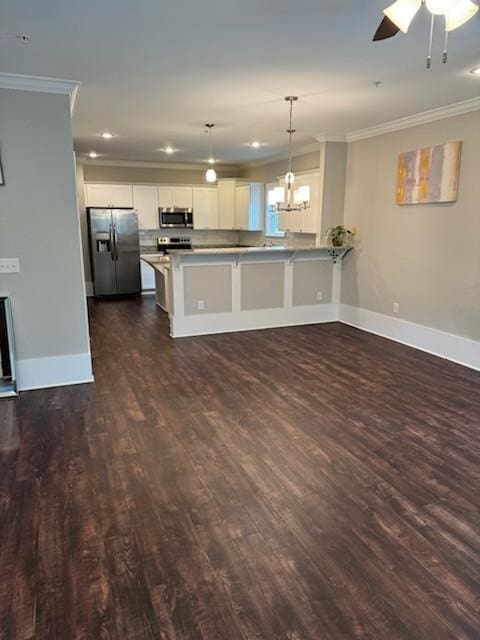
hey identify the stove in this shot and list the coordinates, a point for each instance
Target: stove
(170, 245)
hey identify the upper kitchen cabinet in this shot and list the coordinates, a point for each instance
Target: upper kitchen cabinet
(145, 201)
(249, 206)
(205, 208)
(171, 196)
(226, 204)
(183, 197)
(108, 195)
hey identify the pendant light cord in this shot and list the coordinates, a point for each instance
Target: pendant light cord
(290, 133)
(430, 43)
(445, 48)
(209, 131)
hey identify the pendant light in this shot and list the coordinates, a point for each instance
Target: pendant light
(210, 174)
(298, 200)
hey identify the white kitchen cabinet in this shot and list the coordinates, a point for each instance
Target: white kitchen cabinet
(242, 200)
(108, 195)
(249, 206)
(147, 274)
(165, 197)
(145, 201)
(205, 208)
(171, 196)
(183, 197)
(307, 221)
(226, 204)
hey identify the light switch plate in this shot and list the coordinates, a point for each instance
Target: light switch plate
(9, 265)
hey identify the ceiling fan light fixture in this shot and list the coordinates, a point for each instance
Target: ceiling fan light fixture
(440, 7)
(459, 14)
(402, 12)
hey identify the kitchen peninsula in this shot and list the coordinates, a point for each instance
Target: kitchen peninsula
(241, 288)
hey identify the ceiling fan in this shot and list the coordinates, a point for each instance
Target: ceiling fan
(23, 38)
(399, 15)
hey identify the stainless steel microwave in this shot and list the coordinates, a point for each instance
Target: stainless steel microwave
(175, 218)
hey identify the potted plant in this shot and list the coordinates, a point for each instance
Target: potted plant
(340, 235)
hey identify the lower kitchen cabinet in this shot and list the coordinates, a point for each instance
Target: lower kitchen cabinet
(147, 274)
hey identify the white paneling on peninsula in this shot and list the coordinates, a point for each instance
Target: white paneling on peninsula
(231, 205)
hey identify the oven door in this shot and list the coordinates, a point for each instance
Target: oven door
(172, 219)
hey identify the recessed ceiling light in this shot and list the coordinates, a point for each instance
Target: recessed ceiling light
(475, 71)
(93, 154)
(169, 149)
(106, 135)
(256, 144)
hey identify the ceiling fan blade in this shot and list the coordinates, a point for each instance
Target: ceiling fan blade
(386, 29)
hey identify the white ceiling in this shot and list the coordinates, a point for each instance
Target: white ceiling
(153, 72)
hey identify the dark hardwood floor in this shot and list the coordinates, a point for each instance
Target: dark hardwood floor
(291, 484)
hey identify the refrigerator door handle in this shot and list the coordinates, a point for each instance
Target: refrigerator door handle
(115, 241)
(112, 242)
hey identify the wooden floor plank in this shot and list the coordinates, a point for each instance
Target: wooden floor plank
(300, 483)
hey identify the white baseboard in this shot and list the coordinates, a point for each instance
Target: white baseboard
(89, 288)
(439, 343)
(208, 323)
(59, 371)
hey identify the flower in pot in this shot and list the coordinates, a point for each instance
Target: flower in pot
(340, 235)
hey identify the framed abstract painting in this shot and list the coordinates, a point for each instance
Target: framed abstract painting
(429, 175)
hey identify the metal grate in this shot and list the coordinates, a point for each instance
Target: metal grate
(8, 377)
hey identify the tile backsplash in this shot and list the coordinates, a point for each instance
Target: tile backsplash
(224, 238)
(199, 238)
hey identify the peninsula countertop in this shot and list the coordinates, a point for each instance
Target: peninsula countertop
(249, 250)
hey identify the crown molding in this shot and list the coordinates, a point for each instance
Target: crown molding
(328, 137)
(41, 85)
(179, 166)
(456, 109)
(299, 151)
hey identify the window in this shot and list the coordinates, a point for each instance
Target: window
(272, 218)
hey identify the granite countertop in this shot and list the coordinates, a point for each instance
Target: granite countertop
(247, 250)
(155, 259)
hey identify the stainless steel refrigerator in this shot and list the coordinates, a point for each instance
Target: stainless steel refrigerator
(114, 251)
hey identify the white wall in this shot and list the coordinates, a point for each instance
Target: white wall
(425, 257)
(39, 225)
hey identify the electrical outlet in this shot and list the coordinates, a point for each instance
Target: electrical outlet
(396, 307)
(9, 265)
(319, 296)
(201, 305)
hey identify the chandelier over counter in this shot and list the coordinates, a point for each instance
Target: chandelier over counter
(297, 200)
(399, 16)
(210, 174)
